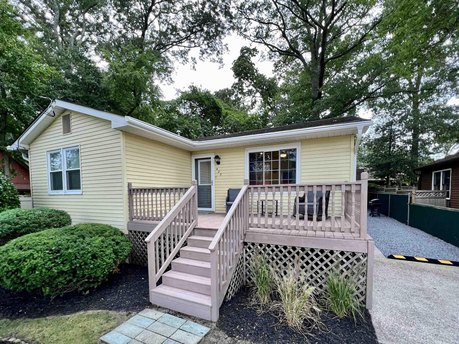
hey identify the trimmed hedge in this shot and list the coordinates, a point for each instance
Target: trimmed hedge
(9, 196)
(60, 260)
(18, 222)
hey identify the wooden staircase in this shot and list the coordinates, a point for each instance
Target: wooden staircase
(186, 287)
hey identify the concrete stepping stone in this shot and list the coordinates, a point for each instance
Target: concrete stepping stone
(154, 327)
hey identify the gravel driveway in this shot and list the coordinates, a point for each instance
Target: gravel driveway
(393, 237)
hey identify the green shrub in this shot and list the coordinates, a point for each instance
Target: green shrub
(263, 278)
(60, 260)
(9, 197)
(17, 222)
(341, 296)
(297, 301)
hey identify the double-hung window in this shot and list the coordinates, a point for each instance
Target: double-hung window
(64, 171)
(441, 180)
(273, 167)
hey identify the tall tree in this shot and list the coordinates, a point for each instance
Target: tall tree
(23, 74)
(69, 31)
(419, 47)
(147, 34)
(323, 41)
(197, 113)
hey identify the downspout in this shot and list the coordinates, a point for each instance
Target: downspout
(356, 151)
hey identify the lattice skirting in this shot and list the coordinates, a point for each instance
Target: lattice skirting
(316, 263)
(139, 253)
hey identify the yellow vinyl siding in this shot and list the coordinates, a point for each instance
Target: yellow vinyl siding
(327, 159)
(101, 200)
(229, 174)
(152, 163)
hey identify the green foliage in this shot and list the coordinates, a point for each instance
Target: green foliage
(18, 222)
(341, 296)
(264, 282)
(9, 197)
(197, 113)
(297, 301)
(23, 75)
(60, 260)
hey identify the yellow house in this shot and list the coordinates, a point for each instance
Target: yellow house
(193, 208)
(81, 159)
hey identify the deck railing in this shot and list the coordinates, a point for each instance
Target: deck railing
(152, 203)
(286, 207)
(165, 241)
(226, 248)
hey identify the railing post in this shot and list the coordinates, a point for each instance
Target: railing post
(195, 199)
(246, 207)
(130, 202)
(151, 267)
(214, 285)
(363, 204)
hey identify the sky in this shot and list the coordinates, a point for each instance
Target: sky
(211, 75)
(215, 76)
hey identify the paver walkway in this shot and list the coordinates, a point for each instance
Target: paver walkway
(153, 327)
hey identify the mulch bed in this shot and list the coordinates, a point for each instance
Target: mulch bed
(125, 291)
(240, 320)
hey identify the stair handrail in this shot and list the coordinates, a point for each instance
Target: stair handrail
(166, 239)
(226, 247)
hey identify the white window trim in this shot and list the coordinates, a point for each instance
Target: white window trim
(263, 149)
(441, 178)
(64, 172)
(212, 170)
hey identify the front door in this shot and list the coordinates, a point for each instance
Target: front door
(203, 173)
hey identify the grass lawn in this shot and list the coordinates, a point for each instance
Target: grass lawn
(78, 328)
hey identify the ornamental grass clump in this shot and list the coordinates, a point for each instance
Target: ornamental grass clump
(341, 296)
(297, 301)
(263, 278)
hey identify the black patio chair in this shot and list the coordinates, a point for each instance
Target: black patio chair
(310, 205)
(231, 197)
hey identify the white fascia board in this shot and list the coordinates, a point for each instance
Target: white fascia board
(141, 128)
(57, 107)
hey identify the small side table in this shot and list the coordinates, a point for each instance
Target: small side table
(265, 206)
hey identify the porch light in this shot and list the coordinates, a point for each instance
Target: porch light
(217, 159)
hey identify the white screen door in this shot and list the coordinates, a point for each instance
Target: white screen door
(204, 179)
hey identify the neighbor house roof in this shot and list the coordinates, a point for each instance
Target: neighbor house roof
(446, 160)
(314, 129)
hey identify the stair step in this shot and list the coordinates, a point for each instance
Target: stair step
(196, 253)
(184, 301)
(207, 232)
(186, 281)
(191, 266)
(199, 241)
